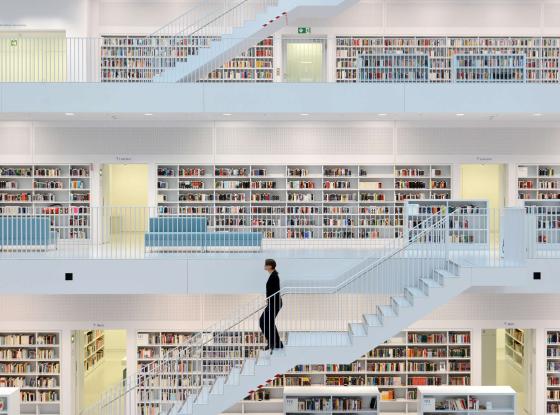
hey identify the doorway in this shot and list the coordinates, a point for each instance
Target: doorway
(486, 182)
(99, 363)
(304, 60)
(508, 360)
(125, 201)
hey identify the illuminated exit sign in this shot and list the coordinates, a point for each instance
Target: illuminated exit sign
(303, 30)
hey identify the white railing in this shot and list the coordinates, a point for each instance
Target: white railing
(140, 58)
(192, 368)
(543, 230)
(77, 231)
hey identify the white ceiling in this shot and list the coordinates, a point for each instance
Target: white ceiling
(468, 118)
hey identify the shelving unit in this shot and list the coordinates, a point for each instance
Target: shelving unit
(301, 201)
(553, 371)
(94, 348)
(468, 400)
(489, 67)
(30, 361)
(60, 191)
(538, 188)
(139, 58)
(469, 223)
(447, 59)
(153, 346)
(397, 368)
(515, 346)
(538, 182)
(254, 65)
(331, 400)
(9, 401)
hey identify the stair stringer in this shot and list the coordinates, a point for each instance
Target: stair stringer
(244, 37)
(280, 362)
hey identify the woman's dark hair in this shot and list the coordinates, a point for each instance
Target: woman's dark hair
(270, 263)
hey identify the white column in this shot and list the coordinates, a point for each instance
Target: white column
(131, 363)
(67, 387)
(476, 357)
(539, 376)
(331, 58)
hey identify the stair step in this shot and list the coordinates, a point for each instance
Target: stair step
(430, 283)
(264, 358)
(218, 387)
(203, 395)
(401, 301)
(372, 320)
(445, 273)
(319, 339)
(186, 408)
(415, 292)
(386, 311)
(357, 329)
(233, 377)
(249, 366)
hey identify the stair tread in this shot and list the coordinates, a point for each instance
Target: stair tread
(387, 310)
(416, 292)
(358, 329)
(445, 273)
(430, 283)
(327, 338)
(249, 366)
(233, 376)
(372, 320)
(402, 301)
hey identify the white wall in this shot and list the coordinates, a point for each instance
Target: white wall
(276, 142)
(429, 17)
(67, 15)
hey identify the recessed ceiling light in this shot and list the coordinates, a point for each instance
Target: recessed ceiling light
(304, 114)
(460, 114)
(148, 114)
(69, 114)
(227, 114)
(382, 115)
(537, 114)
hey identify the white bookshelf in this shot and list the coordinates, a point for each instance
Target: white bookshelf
(9, 401)
(94, 349)
(538, 182)
(301, 201)
(137, 58)
(552, 372)
(446, 59)
(397, 367)
(468, 224)
(153, 346)
(61, 191)
(515, 346)
(30, 361)
(331, 400)
(489, 67)
(469, 400)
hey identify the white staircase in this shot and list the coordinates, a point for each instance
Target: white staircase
(338, 323)
(235, 30)
(325, 347)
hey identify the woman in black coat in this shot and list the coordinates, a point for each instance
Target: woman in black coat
(267, 321)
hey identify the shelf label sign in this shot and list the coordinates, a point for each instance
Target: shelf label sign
(302, 30)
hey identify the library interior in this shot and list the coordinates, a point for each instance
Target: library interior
(398, 160)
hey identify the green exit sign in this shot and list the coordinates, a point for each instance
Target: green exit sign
(303, 30)
(13, 43)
